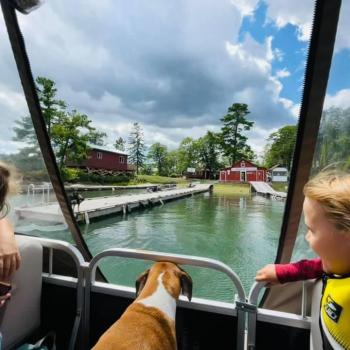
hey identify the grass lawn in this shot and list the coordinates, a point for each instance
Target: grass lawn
(155, 179)
(279, 186)
(235, 189)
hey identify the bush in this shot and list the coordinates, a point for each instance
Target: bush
(79, 175)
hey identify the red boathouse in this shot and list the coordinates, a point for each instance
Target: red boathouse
(243, 171)
(100, 158)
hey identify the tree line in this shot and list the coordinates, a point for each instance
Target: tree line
(72, 134)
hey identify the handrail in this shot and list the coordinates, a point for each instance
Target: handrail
(252, 317)
(175, 258)
(80, 265)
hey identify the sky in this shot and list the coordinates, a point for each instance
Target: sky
(174, 66)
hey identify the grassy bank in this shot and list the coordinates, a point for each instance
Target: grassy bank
(279, 186)
(155, 179)
(233, 189)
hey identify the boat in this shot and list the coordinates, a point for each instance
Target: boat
(74, 297)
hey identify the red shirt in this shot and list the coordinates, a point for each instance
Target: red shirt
(298, 271)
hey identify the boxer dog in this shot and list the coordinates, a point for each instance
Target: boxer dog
(149, 322)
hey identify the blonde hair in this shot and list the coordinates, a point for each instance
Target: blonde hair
(9, 184)
(332, 190)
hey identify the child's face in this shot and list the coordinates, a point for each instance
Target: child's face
(328, 242)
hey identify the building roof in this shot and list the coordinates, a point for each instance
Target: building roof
(106, 149)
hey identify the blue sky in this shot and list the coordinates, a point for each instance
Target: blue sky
(174, 66)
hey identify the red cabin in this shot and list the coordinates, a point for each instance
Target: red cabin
(104, 159)
(243, 171)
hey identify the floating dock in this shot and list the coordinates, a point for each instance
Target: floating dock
(265, 189)
(92, 208)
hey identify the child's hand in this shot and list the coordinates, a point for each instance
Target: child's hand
(267, 274)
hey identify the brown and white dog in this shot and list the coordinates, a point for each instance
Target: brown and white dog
(149, 322)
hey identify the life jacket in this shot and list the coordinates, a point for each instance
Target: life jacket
(335, 311)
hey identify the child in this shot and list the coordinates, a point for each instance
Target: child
(9, 254)
(327, 217)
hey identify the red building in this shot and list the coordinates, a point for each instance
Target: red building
(243, 171)
(104, 159)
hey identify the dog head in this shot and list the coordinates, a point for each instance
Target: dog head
(174, 279)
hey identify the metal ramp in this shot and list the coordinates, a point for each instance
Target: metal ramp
(265, 189)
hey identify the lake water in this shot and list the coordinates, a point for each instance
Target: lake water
(242, 232)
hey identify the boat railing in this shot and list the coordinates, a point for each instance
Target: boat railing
(253, 299)
(43, 189)
(78, 282)
(238, 299)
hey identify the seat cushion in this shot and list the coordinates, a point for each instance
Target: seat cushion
(21, 315)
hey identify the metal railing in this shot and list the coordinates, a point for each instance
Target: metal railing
(175, 258)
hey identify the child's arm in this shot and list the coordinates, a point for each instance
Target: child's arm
(282, 273)
(9, 254)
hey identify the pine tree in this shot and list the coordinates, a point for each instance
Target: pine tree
(136, 147)
(232, 141)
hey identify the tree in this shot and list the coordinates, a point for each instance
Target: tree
(208, 153)
(71, 136)
(232, 141)
(187, 154)
(119, 144)
(136, 147)
(51, 107)
(280, 147)
(158, 153)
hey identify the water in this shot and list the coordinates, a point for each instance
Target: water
(242, 232)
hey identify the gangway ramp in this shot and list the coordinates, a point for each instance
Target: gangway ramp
(265, 189)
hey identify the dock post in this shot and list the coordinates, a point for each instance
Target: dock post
(124, 209)
(86, 216)
(161, 202)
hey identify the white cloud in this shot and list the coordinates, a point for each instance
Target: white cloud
(173, 66)
(245, 7)
(283, 73)
(341, 99)
(283, 12)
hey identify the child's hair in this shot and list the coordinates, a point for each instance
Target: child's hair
(332, 190)
(9, 184)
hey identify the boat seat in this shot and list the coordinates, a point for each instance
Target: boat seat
(21, 315)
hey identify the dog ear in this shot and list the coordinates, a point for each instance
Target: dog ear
(186, 284)
(141, 281)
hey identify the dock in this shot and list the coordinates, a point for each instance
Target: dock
(265, 189)
(80, 187)
(92, 208)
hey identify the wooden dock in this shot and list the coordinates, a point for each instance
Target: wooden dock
(79, 187)
(92, 208)
(265, 189)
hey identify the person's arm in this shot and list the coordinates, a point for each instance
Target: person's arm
(282, 273)
(299, 271)
(9, 255)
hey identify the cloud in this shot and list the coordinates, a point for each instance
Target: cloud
(174, 66)
(282, 73)
(341, 99)
(283, 12)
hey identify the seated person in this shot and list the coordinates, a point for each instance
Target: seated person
(327, 217)
(9, 254)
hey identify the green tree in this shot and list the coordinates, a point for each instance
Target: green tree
(280, 146)
(158, 153)
(187, 154)
(208, 152)
(51, 107)
(136, 147)
(71, 138)
(232, 140)
(119, 144)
